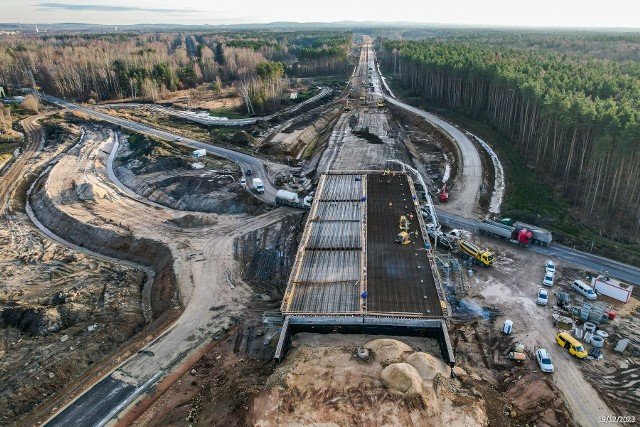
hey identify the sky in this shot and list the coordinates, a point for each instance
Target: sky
(527, 13)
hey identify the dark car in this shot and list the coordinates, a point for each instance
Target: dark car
(249, 172)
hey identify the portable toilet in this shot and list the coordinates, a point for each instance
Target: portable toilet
(506, 328)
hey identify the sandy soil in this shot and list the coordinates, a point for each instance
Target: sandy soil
(504, 290)
(50, 295)
(162, 173)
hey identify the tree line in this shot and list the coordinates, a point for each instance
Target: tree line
(575, 120)
(102, 67)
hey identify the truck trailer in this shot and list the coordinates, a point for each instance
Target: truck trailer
(518, 235)
(540, 235)
(289, 198)
(613, 288)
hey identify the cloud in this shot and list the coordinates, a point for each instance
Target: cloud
(107, 8)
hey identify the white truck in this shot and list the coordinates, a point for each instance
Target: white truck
(613, 288)
(258, 185)
(289, 198)
(200, 153)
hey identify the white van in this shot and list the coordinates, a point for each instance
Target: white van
(583, 289)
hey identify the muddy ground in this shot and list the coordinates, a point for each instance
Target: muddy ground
(62, 312)
(163, 173)
(508, 290)
(320, 383)
(236, 366)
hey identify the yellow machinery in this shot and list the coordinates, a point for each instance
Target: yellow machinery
(404, 223)
(363, 95)
(403, 238)
(380, 102)
(470, 250)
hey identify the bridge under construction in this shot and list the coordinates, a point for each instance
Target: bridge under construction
(364, 263)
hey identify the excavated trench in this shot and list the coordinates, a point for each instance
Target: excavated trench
(144, 251)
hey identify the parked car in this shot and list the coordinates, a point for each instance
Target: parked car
(544, 360)
(548, 279)
(249, 172)
(550, 267)
(543, 297)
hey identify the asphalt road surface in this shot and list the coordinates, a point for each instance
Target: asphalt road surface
(245, 161)
(625, 272)
(84, 411)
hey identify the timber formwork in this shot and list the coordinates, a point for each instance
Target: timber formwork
(348, 263)
(351, 276)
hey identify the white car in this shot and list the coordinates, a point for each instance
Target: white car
(548, 279)
(550, 267)
(543, 297)
(544, 360)
(243, 182)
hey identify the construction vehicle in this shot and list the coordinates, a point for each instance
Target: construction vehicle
(472, 251)
(518, 353)
(289, 198)
(540, 236)
(380, 103)
(258, 185)
(363, 95)
(403, 238)
(443, 196)
(519, 235)
(404, 223)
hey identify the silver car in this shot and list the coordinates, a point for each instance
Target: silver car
(548, 279)
(543, 297)
(550, 266)
(544, 360)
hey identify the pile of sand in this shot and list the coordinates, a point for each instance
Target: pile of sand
(427, 365)
(402, 378)
(388, 351)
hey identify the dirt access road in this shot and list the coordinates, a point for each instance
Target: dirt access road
(35, 140)
(498, 284)
(245, 161)
(203, 265)
(468, 183)
(504, 287)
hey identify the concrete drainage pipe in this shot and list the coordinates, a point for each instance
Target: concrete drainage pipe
(589, 327)
(603, 334)
(597, 341)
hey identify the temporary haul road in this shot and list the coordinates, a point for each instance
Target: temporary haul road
(471, 179)
(245, 161)
(111, 395)
(207, 120)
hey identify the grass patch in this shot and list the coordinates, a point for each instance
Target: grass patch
(228, 113)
